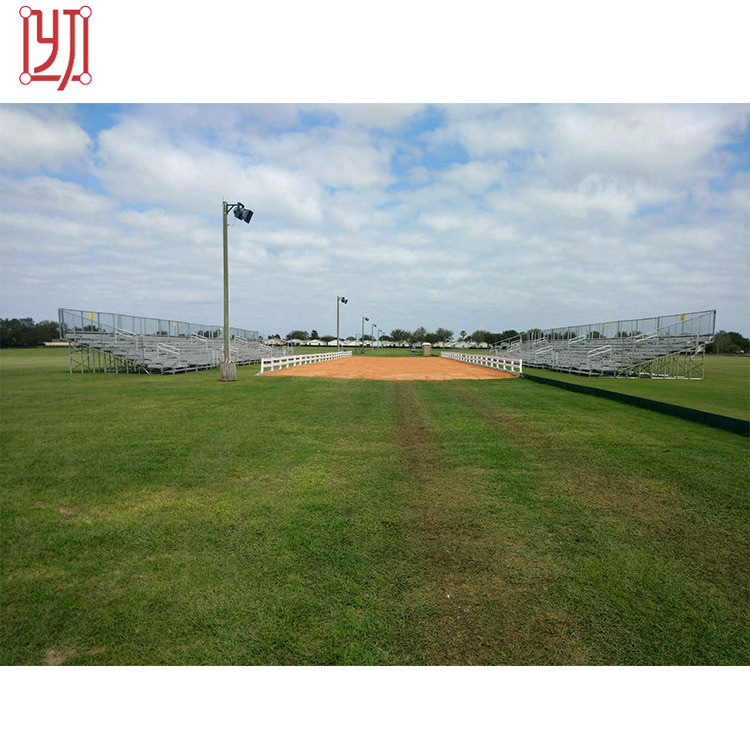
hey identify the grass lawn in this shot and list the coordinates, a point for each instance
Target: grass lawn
(725, 388)
(181, 520)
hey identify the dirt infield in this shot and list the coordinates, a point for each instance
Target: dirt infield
(393, 368)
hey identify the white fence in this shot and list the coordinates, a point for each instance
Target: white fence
(507, 364)
(280, 363)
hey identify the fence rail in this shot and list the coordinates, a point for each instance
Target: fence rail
(507, 364)
(282, 363)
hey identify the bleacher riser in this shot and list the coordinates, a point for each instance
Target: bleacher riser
(169, 354)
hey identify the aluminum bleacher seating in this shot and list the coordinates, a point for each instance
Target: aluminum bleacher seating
(98, 343)
(666, 346)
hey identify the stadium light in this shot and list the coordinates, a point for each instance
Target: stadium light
(243, 213)
(227, 369)
(338, 338)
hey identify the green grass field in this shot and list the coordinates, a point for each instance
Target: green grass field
(181, 520)
(725, 388)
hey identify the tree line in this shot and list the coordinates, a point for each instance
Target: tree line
(17, 332)
(418, 336)
(729, 342)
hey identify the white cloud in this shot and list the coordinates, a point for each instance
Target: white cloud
(381, 116)
(475, 177)
(487, 132)
(40, 138)
(144, 166)
(665, 144)
(46, 197)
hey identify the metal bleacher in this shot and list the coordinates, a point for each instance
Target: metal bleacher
(113, 342)
(668, 346)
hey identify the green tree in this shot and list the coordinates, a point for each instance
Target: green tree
(443, 334)
(399, 334)
(418, 335)
(728, 342)
(301, 335)
(24, 332)
(482, 337)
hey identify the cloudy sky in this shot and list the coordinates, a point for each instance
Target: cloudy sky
(454, 216)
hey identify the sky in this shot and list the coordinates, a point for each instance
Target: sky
(458, 216)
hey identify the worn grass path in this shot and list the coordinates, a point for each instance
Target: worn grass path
(180, 520)
(588, 539)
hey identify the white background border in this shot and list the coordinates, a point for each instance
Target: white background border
(405, 51)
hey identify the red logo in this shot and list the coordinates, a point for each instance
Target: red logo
(51, 45)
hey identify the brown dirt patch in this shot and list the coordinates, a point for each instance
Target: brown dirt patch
(393, 368)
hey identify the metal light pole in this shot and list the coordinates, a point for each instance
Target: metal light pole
(362, 340)
(228, 369)
(338, 338)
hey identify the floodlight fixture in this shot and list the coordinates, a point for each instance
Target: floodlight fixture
(240, 212)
